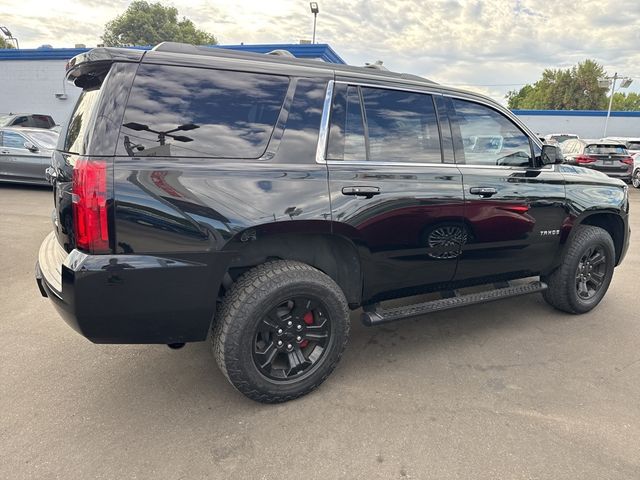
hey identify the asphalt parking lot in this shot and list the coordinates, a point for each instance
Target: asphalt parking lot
(511, 390)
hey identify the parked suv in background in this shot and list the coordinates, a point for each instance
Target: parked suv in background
(606, 156)
(262, 197)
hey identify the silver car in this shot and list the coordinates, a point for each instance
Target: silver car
(25, 154)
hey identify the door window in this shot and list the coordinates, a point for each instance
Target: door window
(13, 140)
(489, 138)
(383, 125)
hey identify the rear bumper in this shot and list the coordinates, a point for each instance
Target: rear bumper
(131, 298)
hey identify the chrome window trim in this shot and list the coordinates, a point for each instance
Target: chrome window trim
(321, 149)
(416, 164)
(323, 134)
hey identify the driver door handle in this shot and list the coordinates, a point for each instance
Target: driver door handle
(483, 191)
(367, 192)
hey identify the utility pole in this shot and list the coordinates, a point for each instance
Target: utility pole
(315, 10)
(607, 82)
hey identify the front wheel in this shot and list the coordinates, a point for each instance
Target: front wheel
(582, 280)
(635, 178)
(281, 330)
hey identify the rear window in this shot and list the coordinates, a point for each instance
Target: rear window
(598, 149)
(634, 146)
(192, 112)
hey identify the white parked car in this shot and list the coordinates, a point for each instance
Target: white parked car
(635, 176)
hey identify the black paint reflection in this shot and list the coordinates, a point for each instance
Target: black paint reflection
(228, 114)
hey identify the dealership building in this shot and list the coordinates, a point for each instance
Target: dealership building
(33, 82)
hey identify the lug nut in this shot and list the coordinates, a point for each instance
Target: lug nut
(289, 346)
(279, 331)
(299, 327)
(289, 323)
(298, 338)
(279, 343)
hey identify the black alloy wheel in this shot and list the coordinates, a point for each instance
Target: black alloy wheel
(291, 338)
(280, 330)
(591, 272)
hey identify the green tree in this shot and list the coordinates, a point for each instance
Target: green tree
(574, 88)
(626, 102)
(145, 23)
(5, 43)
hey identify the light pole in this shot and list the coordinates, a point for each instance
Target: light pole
(7, 33)
(315, 10)
(606, 82)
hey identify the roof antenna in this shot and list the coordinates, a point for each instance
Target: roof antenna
(377, 65)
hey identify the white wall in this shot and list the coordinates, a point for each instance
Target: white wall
(29, 86)
(584, 126)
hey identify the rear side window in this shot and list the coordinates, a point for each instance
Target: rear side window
(76, 131)
(192, 112)
(383, 125)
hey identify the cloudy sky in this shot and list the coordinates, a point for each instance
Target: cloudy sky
(491, 46)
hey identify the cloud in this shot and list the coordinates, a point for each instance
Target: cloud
(484, 44)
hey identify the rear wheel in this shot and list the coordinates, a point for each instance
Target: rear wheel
(579, 284)
(635, 178)
(281, 330)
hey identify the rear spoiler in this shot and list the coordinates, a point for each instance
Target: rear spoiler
(85, 68)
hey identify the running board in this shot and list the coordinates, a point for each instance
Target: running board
(379, 316)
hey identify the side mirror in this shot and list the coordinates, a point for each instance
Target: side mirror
(551, 154)
(31, 147)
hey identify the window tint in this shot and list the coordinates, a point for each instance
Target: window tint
(490, 138)
(192, 112)
(78, 123)
(402, 126)
(397, 126)
(300, 138)
(13, 140)
(347, 137)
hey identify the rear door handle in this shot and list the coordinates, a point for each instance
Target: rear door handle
(483, 191)
(367, 192)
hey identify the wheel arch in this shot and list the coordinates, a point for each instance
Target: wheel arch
(609, 221)
(334, 255)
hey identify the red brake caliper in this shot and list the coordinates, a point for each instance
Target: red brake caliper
(308, 319)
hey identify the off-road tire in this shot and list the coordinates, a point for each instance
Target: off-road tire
(562, 292)
(243, 307)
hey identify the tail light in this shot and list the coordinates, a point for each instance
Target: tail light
(627, 160)
(582, 159)
(90, 205)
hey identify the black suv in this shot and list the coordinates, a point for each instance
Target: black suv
(260, 198)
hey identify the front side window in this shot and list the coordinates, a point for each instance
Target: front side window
(194, 112)
(13, 140)
(383, 125)
(490, 138)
